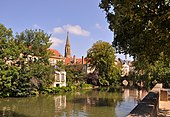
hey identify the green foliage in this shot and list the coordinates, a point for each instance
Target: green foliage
(141, 28)
(73, 87)
(75, 74)
(70, 75)
(150, 74)
(93, 78)
(60, 66)
(101, 58)
(8, 70)
(162, 73)
(57, 90)
(84, 85)
(24, 65)
(37, 43)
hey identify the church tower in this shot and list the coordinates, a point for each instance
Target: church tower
(67, 48)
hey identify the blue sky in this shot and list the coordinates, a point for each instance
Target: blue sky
(83, 19)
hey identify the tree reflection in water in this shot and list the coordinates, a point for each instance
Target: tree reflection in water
(91, 103)
(9, 113)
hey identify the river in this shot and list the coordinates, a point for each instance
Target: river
(87, 103)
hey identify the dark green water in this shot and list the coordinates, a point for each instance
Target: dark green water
(87, 103)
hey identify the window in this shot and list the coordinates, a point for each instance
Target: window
(57, 77)
(62, 77)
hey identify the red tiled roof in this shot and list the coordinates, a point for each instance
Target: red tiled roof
(55, 53)
(67, 61)
(78, 61)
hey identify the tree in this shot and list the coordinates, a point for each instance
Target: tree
(24, 65)
(163, 73)
(150, 74)
(141, 27)
(101, 58)
(36, 44)
(9, 53)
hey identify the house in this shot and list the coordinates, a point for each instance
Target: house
(55, 56)
(59, 75)
(60, 79)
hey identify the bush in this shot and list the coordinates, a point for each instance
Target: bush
(84, 85)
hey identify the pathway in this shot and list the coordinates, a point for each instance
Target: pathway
(164, 109)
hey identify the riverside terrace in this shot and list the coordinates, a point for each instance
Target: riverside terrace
(155, 104)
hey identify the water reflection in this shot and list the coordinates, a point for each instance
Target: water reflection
(89, 103)
(92, 104)
(9, 113)
(134, 93)
(131, 97)
(60, 103)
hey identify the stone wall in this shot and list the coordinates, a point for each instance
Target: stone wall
(149, 106)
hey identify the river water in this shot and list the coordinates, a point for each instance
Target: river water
(87, 103)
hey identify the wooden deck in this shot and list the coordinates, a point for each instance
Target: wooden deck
(164, 109)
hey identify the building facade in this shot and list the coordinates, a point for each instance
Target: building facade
(60, 79)
(59, 76)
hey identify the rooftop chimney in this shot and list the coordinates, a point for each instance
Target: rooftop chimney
(74, 59)
(82, 60)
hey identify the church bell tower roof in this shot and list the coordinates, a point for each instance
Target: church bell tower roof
(67, 40)
(67, 47)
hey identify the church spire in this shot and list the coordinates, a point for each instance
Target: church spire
(67, 40)
(67, 48)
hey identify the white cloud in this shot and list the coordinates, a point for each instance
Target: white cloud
(58, 30)
(56, 41)
(74, 29)
(35, 26)
(98, 26)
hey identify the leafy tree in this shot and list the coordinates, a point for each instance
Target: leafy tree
(24, 65)
(38, 67)
(93, 78)
(9, 53)
(60, 65)
(150, 74)
(164, 75)
(143, 73)
(101, 58)
(37, 42)
(75, 74)
(161, 73)
(141, 27)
